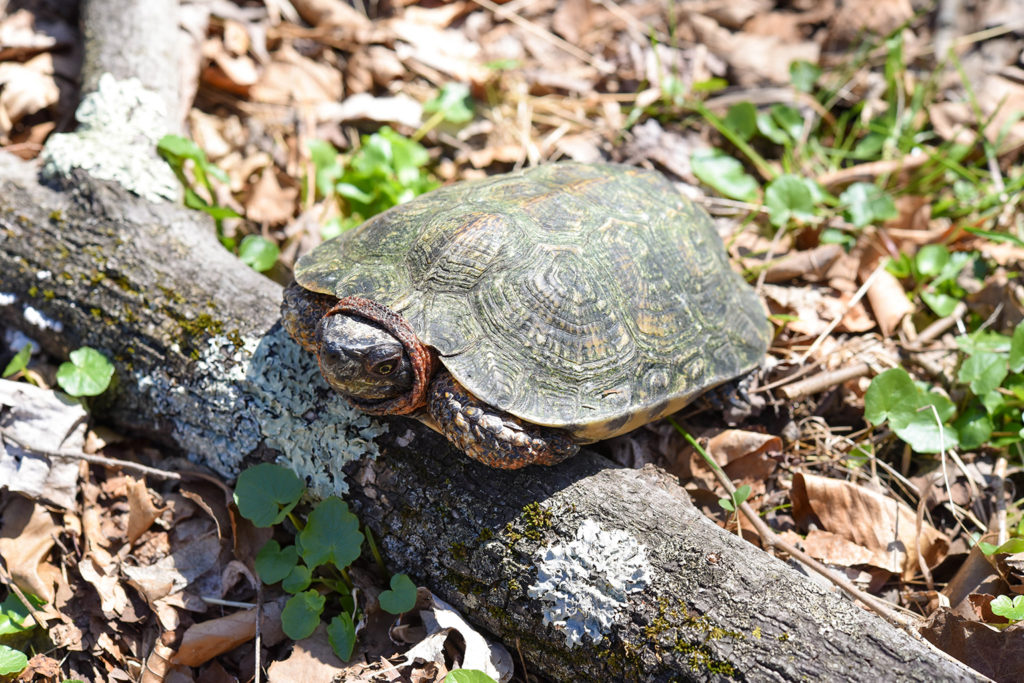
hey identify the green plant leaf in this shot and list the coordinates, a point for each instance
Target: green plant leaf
(1013, 609)
(298, 579)
(1013, 546)
(326, 165)
(402, 596)
(19, 362)
(453, 102)
(924, 433)
(803, 75)
(273, 563)
(1017, 348)
(468, 676)
(767, 127)
(341, 634)
(258, 252)
(331, 535)
(893, 397)
(931, 259)
(941, 304)
(789, 120)
(88, 373)
(742, 119)
(892, 393)
(984, 372)
(180, 147)
(865, 203)
(724, 173)
(15, 617)
(266, 493)
(301, 614)
(973, 426)
(11, 661)
(789, 197)
(739, 496)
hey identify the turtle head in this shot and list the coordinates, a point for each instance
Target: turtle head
(361, 359)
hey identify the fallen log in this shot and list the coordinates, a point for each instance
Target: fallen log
(640, 584)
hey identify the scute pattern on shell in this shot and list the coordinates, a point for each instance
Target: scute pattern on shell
(592, 297)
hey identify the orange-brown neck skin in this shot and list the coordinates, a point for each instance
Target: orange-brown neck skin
(422, 358)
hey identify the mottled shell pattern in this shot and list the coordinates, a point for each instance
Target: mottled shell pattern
(591, 297)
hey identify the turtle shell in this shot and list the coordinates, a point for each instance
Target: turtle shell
(591, 297)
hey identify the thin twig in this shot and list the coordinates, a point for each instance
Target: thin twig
(103, 461)
(846, 309)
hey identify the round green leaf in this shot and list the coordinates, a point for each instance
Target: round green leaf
(298, 579)
(984, 372)
(890, 393)
(273, 563)
(974, 426)
(941, 304)
(258, 252)
(724, 173)
(468, 676)
(87, 374)
(266, 493)
(789, 197)
(301, 614)
(331, 535)
(742, 119)
(341, 634)
(11, 661)
(931, 259)
(803, 75)
(402, 596)
(767, 127)
(865, 203)
(1013, 609)
(925, 434)
(789, 120)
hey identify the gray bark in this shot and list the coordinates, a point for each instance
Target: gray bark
(202, 366)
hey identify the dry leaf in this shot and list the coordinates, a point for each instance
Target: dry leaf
(836, 550)
(993, 653)
(45, 420)
(312, 660)
(25, 89)
(809, 264)
(205, 640)
(291, 79)
(815, 309)
(883, 525)
(888, 299)
(26, 538)
(331, 13)
(141, 510)
(269, 202)
(753, 59)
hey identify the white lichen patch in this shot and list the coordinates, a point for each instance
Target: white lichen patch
(315, 444)
(264, 391)
(39, 319)
(119, 126)
(585, 582)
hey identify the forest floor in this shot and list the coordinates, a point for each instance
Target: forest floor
(862, 160)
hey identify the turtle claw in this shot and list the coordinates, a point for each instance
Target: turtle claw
(494, 438)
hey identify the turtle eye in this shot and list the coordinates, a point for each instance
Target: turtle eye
(384, 368)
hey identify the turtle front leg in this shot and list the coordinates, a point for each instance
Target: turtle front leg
(486, 434)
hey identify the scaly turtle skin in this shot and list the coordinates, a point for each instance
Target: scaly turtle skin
(524, 314)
